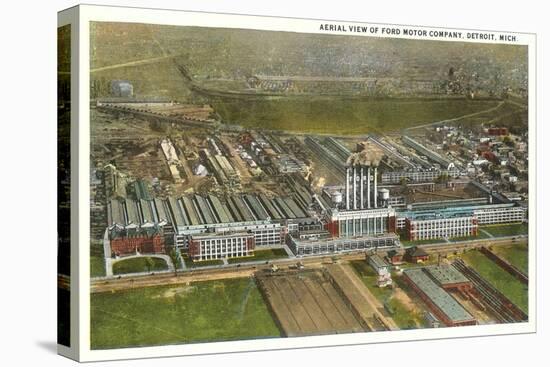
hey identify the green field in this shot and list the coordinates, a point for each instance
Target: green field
(139, 265)
(479, 236)
(97, 266)
(342, 116)
(499, 278)
(399, 313)
(507, 229)
(261, 255)
(421, 242)
(517, 255)
(204, 311)
(197, 264)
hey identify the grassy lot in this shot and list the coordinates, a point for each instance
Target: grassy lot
(203, 311)
(97, 262)
(368, 276)
(344, 116)
(421, 242)
(498, 277)
(404, 318)
(261, 255)
(479, 236)
(516, 255)
(197, 264)
(507, 229)
(139, 265)
(97, 266)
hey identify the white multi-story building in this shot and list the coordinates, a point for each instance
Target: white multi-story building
(211, 246)
(434, 227)
(501, 214)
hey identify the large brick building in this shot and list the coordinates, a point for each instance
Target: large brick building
(131, 241)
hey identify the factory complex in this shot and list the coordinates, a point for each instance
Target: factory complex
(356, 215)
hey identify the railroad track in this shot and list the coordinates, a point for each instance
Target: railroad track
(474, 244)
(504, 309)
(244, 270)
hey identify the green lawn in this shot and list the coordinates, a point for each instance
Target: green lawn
(368, 276)
(421, 242)
(479, 236)
(343, 116)
(516, 255)
(261, 255)
(97, 266)
(499, 278)
(197, 264)
(507, 229)
(139, 265)
(203, 311)
(404, 318)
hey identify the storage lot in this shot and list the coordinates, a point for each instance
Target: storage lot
(305, 303)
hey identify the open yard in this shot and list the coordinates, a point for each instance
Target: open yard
(342, 116)
(261, 255)
(197, 264)
(507, 229)
(97, 266)
(139, 265)
(406, 315)
(202, 311)
(306, 303)
(499, 278)
(517, 255)
(481, 235)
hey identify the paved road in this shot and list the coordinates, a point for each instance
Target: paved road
(132, 63)
(247, 269)
(109, 262)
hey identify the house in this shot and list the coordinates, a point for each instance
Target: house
(416, 255)
(394, 257)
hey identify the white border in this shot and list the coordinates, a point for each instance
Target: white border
(89, 13)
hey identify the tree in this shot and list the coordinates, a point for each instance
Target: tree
(149, 263)
(174, 256)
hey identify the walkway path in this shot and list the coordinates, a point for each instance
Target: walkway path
(109, 262)
(487, 233)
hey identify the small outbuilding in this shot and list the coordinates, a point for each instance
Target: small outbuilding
(416, 255)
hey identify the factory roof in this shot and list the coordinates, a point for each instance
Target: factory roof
(220, 209)
(269, 207)
(438, 212)
(161, 213)
(446, 274)
(116, 212)
(257, 208)
(147, 211)
(377, 261)
(179, 215)
(133, 212)
(204, 212)
(189, 209)
(445, 302)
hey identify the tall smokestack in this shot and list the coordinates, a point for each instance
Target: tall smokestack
(375, 189)
(362, 204)
(347, 188)
(354, 187)
(368, 187)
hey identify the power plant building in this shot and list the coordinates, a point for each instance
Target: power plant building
(360, 219)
